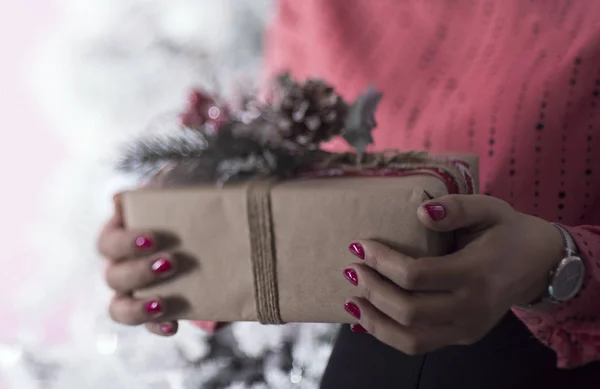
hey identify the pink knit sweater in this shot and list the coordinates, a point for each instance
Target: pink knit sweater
(515, 81)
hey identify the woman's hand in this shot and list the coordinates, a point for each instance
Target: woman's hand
(420, 305)
(135, 260)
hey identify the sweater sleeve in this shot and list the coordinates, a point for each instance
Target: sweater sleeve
(572, 330)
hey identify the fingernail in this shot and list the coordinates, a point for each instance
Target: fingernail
(436, 211)
(358, 250)
(162, 266)
(153, 307)
(357, 328)
(352, 309)
(351, 276)
(143, 243)
(167, 329)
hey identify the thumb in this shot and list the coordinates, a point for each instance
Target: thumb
(116, 220)
(453, 212)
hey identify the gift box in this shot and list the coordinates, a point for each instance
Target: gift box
(260, 217)
(275, 251)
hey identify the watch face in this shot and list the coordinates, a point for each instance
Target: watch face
(567, 279)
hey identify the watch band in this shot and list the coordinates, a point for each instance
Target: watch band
(548, 301)
(570, 246)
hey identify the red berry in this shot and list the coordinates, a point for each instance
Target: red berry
(198, 98)
(201, 110)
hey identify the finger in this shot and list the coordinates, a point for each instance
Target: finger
(163, 329)
(408, 309)
(138, 273)
(116, 220)
(357, 328)
(423, 274)
(452, 212)
(118, 244)
(411, 341)
(131, 311)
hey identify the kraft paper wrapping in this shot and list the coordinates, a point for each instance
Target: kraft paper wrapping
(314, 221)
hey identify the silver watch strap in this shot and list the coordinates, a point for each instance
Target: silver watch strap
(546, 303)
(570, 246)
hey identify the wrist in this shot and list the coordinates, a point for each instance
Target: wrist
(556, 247)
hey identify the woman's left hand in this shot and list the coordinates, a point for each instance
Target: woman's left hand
(420, 305)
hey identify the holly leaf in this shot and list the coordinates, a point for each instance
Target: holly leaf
(360, 121)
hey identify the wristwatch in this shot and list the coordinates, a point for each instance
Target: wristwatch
(565, 280)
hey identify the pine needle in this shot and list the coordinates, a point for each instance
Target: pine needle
(146, 155)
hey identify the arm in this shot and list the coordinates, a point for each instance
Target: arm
(573, 329)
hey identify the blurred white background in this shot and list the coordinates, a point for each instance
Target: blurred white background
(77, 78)
(31, 149)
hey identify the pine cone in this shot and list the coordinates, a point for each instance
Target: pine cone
(309, 113)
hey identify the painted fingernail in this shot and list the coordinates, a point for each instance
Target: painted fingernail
(352, 309)
(436, 211)
(358, 250)
(167, 329)
(351, 276)
(153, 307)
(162, 266)
(143, 243)
(357, 328)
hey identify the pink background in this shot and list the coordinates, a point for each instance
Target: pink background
(30, 149)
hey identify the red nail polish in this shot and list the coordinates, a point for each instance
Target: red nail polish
(357, 328)
(351, 276)
(167, 329)
(352, 309)
(358, 250)
(162, 266)
(143, 243)
(436, 211)
(153, 307)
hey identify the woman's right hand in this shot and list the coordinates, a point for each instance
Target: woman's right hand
(134, 260)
